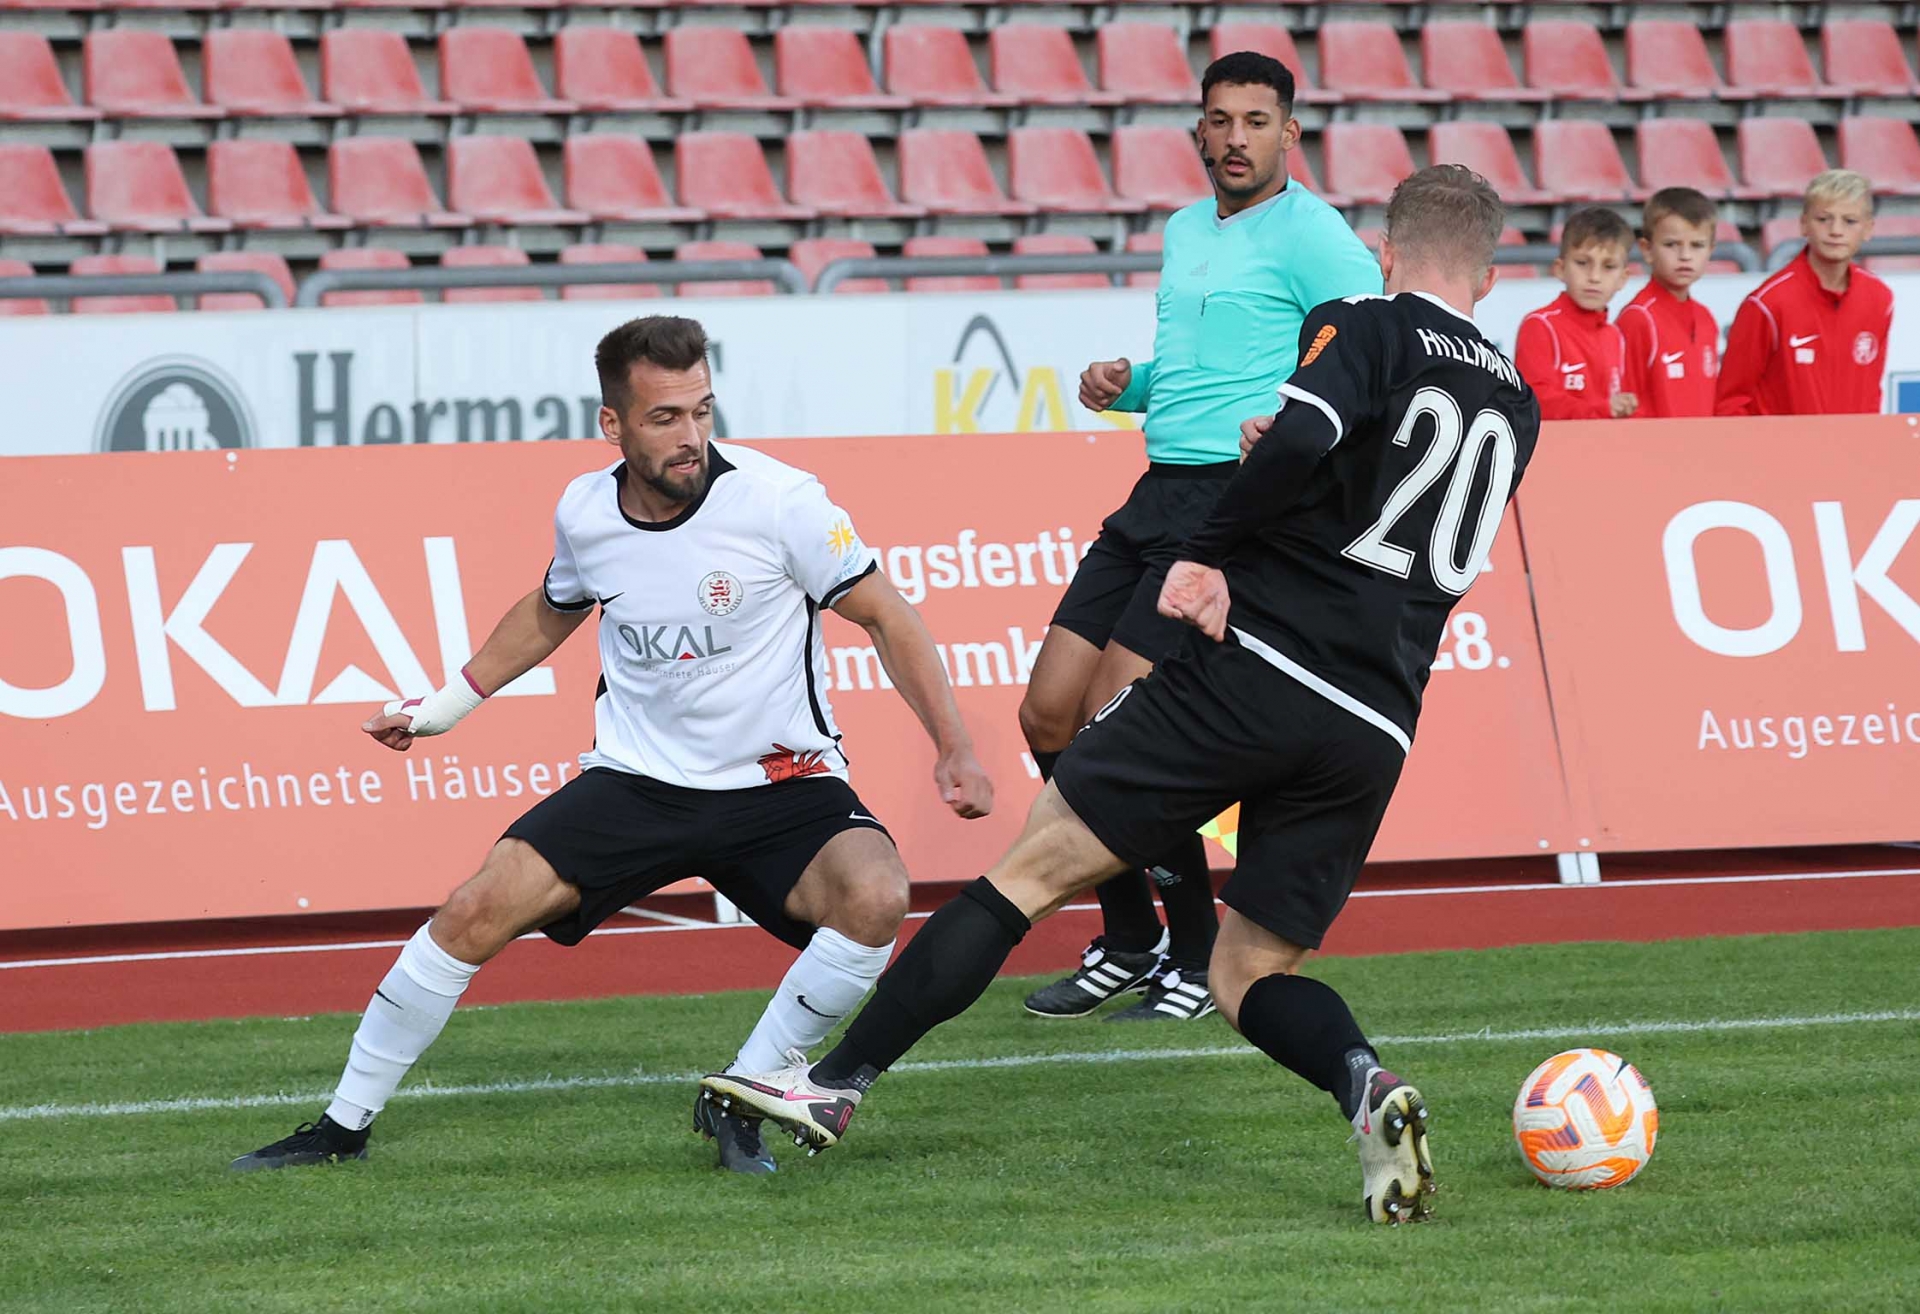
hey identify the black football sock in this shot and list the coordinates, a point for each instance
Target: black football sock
(1192, 922)
(1045, 762)
(1129, 923)
(943, 969)
(1306, 1027)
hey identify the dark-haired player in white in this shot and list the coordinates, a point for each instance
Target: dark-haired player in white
(1320, 587)
(715, 751)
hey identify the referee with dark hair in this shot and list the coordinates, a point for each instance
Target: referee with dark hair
(1321, 587)
(1240, 271)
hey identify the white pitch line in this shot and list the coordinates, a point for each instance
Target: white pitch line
(675, 922)
(622, 1081)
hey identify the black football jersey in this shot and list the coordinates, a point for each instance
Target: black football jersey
(1370, 506)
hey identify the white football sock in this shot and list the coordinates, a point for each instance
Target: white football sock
(821, 987)
(402, 1019)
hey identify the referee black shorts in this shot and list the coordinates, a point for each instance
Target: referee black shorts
(1215, 725)
(619, 837)
(1115, 594)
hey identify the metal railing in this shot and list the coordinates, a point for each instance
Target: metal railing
(784, 273)
(1878, 246)
(42, 286)
(1545, 253)
(992, 266)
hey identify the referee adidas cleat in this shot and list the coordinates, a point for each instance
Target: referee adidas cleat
(741, 1149)
(1396, 1170)
(325, 1141)
(1102, 974)
(1174, 994)
(817, 1116)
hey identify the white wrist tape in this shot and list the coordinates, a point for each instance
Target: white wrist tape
(440, 710)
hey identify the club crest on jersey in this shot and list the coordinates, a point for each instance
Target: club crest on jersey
(721, 594)
(1866, 349)
(785, 763)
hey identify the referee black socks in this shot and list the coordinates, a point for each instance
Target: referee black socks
(943, 969)
(1306, 1027)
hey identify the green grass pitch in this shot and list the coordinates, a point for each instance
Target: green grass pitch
(1146, 1180)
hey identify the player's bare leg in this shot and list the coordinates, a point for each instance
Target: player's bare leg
(1306, 1027)
(514, 891)
(947, 966)
(855, 891)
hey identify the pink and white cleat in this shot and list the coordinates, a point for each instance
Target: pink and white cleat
(816, 1115)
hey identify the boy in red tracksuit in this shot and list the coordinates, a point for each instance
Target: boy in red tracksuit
(1812, 339)
(1567, 351)
(1673, 345)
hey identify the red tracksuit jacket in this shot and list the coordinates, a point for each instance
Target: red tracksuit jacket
(1673, 354)
(1572, 359)
(1798, 349)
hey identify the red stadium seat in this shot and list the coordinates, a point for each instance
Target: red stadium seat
(498, 180)
(31, 88)
(603, 69)
(33, 200)
(1488, 151)
(725, 174)
(10, 268)
(837, 174)
(1038, 64)
(1468, 61)
(814, 254)
(1364, 61)
(826, 66)
(488, 70)
(380, 182)
(753, 287)
(1863, 57)
(933, 66)
(1365, 161)
(137, 186)
(270, 263)
(1578, 160)
(714, 68)
(1567, 58)
(252, 71)
(1301, 172)
(486, 257)
(1057, 244)
(947, 172)
(1276, 42)
(1779, 157)
(949, 246)
(89, 265)
(1685, 153)
(1513, 237)
(1159, 165)
(1154, 242)
(1146, 63)
(1057, 170)
(605, 253)
(133, 73)
(259, 183)
(1767, 56)
(368, 257)
(1667, 59)
(1895, 225)
(1886, 150)
(368, 70)
(612, 176)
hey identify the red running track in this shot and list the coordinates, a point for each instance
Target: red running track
(60, 980)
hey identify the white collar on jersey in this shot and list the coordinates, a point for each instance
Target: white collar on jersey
(1428, 296)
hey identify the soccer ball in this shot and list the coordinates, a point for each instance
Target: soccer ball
(1585, 1120)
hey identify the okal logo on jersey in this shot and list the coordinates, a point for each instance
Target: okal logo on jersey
(174, 404)
(721, 594)
(670, 643)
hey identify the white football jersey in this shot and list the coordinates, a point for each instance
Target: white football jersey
(713, 668)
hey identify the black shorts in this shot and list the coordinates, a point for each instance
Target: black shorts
(619, 837)
(1216, 725)
(1115, 594)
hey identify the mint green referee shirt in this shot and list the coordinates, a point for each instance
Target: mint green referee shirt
(1233, 294)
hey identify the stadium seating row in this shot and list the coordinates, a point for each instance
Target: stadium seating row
(252, 72)
(374, 182)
